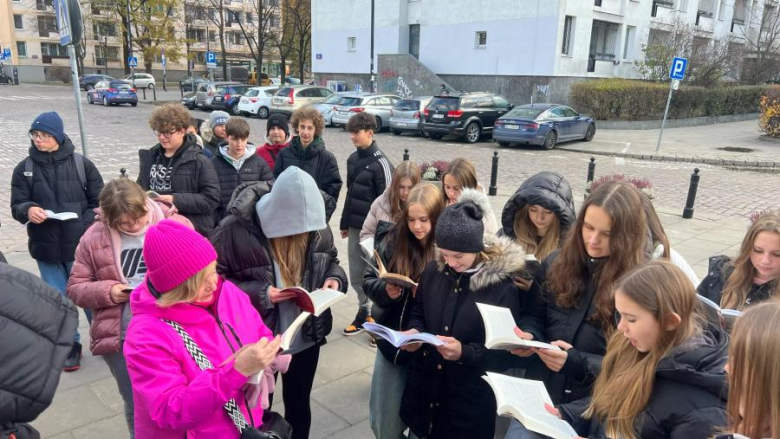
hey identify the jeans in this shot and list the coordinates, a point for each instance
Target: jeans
(56, 274)
(387, 388)
(357, 267)
(518, 431)
(118, 367)
(296, 391)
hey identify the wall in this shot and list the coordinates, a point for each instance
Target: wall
(518, 89)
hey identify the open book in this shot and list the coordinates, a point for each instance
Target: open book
(500, 330)
(317, 301)
(292, 331)
(398, 339)
(62, 216)
(368, 246)
(723, 318)
(524, 400)
(392, 278)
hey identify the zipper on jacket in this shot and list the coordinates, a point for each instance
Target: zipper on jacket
(400, 323)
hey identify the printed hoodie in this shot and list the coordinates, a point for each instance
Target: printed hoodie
(173, 397)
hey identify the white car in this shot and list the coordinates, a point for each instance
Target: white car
(257, 101)
(326, 107)
(142, 80)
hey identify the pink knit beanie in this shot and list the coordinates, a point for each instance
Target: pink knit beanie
(174, 253)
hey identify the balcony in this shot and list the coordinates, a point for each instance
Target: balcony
(614, 7)
(738, 28)
(705, 21)
(663, 15)
(600, 68)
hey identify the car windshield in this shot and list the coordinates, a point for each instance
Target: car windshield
(294, 81)
(407, 105)
(334, 99)
(444, 104)
(525, 113)
(284, 91)
(252, 93)
(348, 101)
(240, 90)
(121, 85)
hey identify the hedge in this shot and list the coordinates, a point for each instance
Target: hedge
(622, 99)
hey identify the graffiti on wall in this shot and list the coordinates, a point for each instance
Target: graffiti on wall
(403, 90)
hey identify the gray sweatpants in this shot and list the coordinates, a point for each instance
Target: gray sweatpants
(357, 266)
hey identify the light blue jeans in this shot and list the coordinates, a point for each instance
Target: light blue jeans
(518, 431)
(387, 388)
(56, 274)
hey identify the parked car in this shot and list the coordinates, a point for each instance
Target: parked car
(467, 115)
(257, 101)
(205, 93)
(227, 98)
(112, 92)
(190, 83)
(87, 82)
(142, 80)
(326, 107)
(406, 115)
(264, 79)
(188, 100)
(378, 105)
(287, 80)
(543, 124)
(290, 98)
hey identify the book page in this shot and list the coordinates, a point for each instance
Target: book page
(62, 216)
(710, 310)
(398, 339)
(368, 246)
(324, 299)
(500, 330)
(292, 330)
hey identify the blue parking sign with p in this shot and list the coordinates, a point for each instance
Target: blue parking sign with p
(677, 71)
(211, 58)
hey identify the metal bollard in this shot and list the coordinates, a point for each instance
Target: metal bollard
(154, 92)
(591, 169)
(123, 172)
(144, 92)
(494, 175)
(688, 211)
(406, 154)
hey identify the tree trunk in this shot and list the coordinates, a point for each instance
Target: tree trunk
(224, 55)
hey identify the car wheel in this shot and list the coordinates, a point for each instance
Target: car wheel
(262, 113)
(397, 132)
(378, 124)
(89, 98)
(234, 110)
(550, 139)
(151, 86)
(105, 101)
(504, 144)
(89, 87)
(473, 132)
(435, 136)
(590, 133)
(134, 104)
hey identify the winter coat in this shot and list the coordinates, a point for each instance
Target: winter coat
(253, 168)
(55, 187)
(318, 162)
(97, 269)
(720, 268)
(245, 258)
(37, 334)
(449, 399)
(689, 394)
(547, 321)
(173, 397)
(269, 152)
(547, 189)
(194, 183)
(368, 175)
(380, 211)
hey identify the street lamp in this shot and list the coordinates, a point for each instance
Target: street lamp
(372, 80)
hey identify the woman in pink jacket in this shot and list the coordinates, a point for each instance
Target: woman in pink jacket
(182, 293)
(108, 265)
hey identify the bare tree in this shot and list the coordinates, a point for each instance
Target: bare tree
(260, 32)
(762, 42)
(217, 14)
(298, 16)
(192, 11)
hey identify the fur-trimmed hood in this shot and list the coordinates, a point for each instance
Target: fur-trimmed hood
(509, 261)
(480, 198)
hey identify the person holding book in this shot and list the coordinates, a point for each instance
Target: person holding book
(183, 303)
(236, 163)
(368, 174)
(276, 237)
(662, 249)
(406, 248)
(109, 264)
(570, 302)
(538, 216)
(445, 395)
(754, 276)
(388, 206)
(307, 152)
(754, 355)
(459, 175)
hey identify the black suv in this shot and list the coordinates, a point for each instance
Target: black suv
(466, 115)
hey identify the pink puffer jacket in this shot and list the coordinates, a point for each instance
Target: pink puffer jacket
(97, 268)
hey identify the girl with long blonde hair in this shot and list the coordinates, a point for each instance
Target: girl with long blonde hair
(389, 206)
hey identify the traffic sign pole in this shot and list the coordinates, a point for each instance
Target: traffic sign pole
(74, 71)
(676, 74)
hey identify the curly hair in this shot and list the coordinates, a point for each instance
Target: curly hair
(308, 113)
(171, 116)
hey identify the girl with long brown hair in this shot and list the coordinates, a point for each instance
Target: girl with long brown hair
(754, 275)
(405, 248)
(389, 206)
(459, 175)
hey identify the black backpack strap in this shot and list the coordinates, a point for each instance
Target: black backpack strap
(81, 170)
(28, 171)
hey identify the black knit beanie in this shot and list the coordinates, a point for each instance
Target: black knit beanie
(278, 120)
(460, 229)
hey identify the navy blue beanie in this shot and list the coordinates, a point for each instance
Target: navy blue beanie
(51, 123)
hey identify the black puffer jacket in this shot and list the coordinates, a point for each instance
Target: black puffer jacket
(720, 268)
(368, 174)
(37, 333)
(253, 169)
(245, 259)
(689, 394)
(449, 399)
(55, 187)
(318, 162)
(543, 318)
(194, 183)
(547, 189)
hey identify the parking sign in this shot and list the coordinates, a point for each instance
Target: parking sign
(677, 71)
(211, 59)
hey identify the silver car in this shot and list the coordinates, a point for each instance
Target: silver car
(205, 92)
(378, 105)
(326, 107)
(406, 115)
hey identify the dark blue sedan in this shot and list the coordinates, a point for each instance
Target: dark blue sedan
(543, 124)
(112, 92)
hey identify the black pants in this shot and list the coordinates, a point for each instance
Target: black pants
(296, 391)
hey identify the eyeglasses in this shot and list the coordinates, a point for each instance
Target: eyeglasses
(39, 135)
(165, 134)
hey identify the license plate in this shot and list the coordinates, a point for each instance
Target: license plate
(200, 104)
(512, 127)
(343, 113)
(401, 124)
(217, 99)
(438, 116)
(122, 92)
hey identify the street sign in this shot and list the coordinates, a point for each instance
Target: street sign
(358, 88)
(211, 59)
(63, 21)
(678, 68)
(675, 84)
(132, 61)
(7, 53)
(164, 63)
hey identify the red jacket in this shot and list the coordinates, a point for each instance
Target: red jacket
(269, 152)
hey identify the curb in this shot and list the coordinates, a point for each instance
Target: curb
(674, 123)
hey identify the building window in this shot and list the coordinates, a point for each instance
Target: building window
(597, 3)
(480, 39)
(568, 34)
(604, 40)
(44, 5)
(54, 50)
(21, 49)
(629, 43)
(248, 17)
(212, 36)
(18, 22)
(46, 24)
(351, 44)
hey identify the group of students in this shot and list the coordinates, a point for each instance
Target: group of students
(636, 358)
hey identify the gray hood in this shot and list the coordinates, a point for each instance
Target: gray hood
(250, 151)
(294, 205)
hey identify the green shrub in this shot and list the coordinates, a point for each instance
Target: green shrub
(769, 121)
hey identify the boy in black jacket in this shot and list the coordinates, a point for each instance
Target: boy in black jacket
(368, 174)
